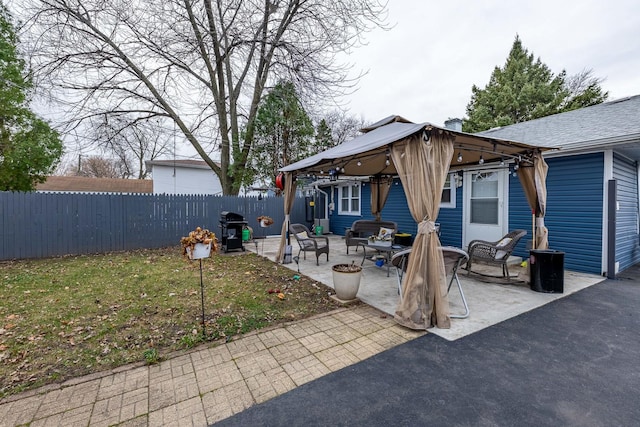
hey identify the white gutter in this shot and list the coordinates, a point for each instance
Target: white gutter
(326, 205)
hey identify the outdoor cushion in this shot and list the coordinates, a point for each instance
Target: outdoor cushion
(501, 244)
(385, 233)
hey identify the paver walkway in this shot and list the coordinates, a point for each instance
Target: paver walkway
(210, 383)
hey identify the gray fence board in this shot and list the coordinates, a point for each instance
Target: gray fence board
(38, 225)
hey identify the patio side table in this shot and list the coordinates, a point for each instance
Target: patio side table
(387, 250)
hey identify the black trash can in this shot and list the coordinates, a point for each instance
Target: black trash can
(546, 270)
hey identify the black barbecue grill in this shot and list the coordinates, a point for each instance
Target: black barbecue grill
(231, 225)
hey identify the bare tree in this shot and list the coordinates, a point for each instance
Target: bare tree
(96, 167)
(133, 142)
(200, 63)
(343, 126)
(583, 89)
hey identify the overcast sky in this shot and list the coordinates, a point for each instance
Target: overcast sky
(424, 67)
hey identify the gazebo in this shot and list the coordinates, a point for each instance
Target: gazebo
(421, 155)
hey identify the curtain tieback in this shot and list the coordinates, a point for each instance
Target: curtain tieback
(426, 227)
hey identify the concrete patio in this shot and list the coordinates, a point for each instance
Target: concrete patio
(489, 303)
(215, 381)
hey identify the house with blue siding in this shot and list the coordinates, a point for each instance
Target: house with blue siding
(593, 201)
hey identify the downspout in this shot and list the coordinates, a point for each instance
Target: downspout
(326, 205)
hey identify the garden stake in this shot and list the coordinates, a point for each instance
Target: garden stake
(204, 334)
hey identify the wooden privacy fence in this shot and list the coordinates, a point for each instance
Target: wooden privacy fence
(39, 225)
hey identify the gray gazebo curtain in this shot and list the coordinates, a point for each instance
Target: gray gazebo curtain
(380, 187)
(289, 197)
(533, 178)
(422, 166)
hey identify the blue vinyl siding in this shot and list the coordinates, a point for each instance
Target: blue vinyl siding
(396, 209)
(573, 217)
(574, 210)
(338, 223)
(450, 220)
(519, 215)
(626, 175)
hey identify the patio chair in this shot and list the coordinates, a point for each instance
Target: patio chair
(453, 259)
(308, 242)
(494, 253)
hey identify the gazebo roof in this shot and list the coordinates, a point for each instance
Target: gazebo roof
(367, 154)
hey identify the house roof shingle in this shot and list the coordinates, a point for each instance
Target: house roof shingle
(614, 121)
(95, 185)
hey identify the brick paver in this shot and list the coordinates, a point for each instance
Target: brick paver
(212, 383)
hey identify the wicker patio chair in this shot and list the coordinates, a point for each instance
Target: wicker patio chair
(308, 242)
(494, 253)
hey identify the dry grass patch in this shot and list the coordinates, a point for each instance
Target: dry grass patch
(66, 317)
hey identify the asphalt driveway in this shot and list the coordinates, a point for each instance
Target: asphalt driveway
(572, 362)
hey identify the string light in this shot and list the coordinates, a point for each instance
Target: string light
(481, 161)
(359, 163)
(459, 157)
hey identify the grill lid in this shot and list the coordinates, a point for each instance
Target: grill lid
(226, 216)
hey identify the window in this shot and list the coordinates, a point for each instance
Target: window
(485, 201)
(448, 199)
(349, 200)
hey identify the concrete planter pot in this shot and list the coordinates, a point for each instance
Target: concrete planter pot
(346, 280)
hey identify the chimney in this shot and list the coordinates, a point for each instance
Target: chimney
(454, 124)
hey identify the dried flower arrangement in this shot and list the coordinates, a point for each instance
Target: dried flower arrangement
(265, 221)
(199, 235)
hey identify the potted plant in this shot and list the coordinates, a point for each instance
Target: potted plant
(200, 243)
(346, 280)
(383, 238)
(265, 221)
(380, 241)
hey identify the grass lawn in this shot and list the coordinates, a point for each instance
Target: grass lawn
(66, 317)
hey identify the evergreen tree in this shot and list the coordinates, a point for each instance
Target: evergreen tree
(283, 133)
(323, 140)
(29, 148)
(526, 89)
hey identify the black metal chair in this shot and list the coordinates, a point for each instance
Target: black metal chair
(400, 260)
(308, 242)
(453, 259)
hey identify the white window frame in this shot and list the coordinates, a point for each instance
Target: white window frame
(452, 190)
(350, 198)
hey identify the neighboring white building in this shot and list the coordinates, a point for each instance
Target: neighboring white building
(183, 177)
